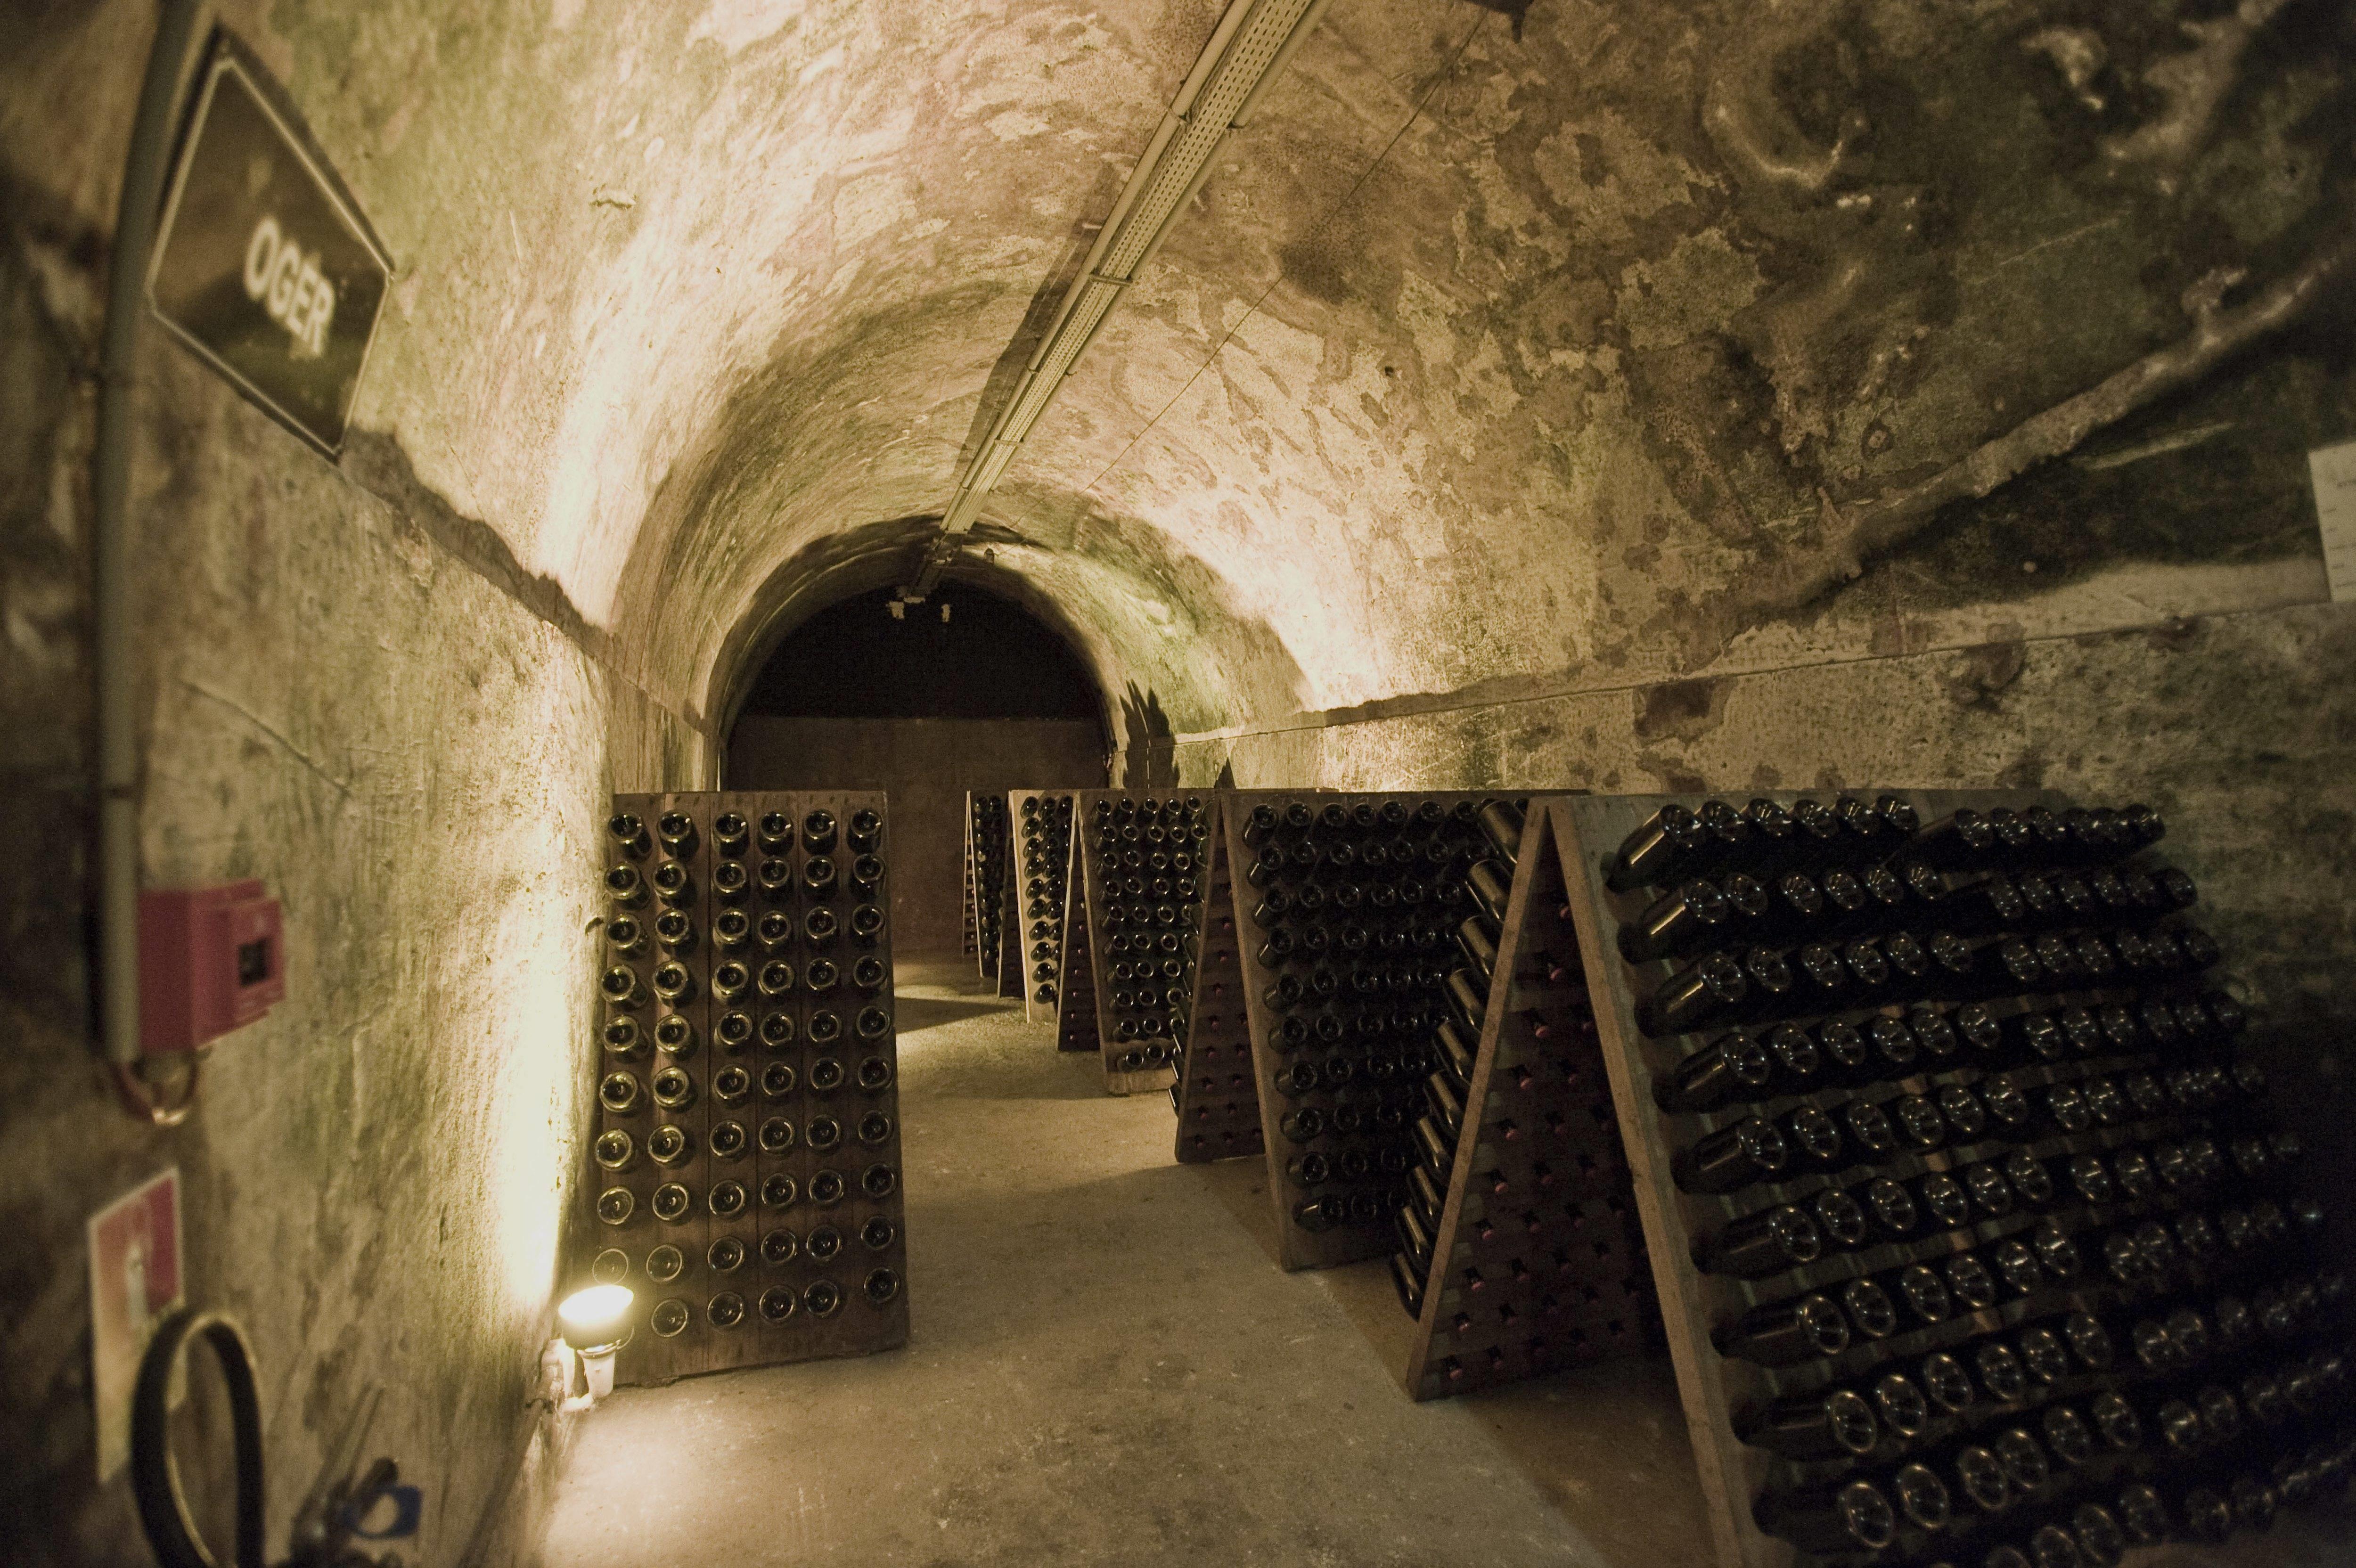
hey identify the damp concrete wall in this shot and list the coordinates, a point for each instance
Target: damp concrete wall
(927, 767)
(1534, 438)
(351, 690)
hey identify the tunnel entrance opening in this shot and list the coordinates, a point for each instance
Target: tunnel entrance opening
(966, 692)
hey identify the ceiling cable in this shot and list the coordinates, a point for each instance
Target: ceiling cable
(1250, 48)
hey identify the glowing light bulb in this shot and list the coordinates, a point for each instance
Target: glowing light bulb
(595, 1323)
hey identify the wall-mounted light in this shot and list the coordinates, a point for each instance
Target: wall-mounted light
(596, 1323)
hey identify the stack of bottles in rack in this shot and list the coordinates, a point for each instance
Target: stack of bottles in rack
(1548, 1266)
(1151, 860)
(748, 1079)
(987, 872)
(1488, 885)
(1353, 907)
(1046, 827)
(2027, 1264)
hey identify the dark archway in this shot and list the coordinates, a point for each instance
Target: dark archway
(969, 692)
(966, 652)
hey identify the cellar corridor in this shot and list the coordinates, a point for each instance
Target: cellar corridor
(1113, 1372)
(1668, 683)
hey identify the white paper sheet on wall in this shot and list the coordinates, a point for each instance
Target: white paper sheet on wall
(2333, 470)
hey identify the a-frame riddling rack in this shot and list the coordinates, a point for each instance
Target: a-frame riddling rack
(1344, 907)
(1530, 1259)
(1217, 1097)
(1133, 925)
(1970, 1234)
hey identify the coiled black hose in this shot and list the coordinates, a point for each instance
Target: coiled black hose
(156, 1479)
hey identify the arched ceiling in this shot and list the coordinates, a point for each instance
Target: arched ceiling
(1507, 343)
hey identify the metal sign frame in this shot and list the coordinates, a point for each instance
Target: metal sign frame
(228, 56)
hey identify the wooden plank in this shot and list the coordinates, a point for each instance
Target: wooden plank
(836, 948)
(1217, 1096)
(1537, 1261)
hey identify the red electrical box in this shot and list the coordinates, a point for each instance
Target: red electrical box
(211, 960)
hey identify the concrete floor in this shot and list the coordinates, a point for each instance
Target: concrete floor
(1106, 1368)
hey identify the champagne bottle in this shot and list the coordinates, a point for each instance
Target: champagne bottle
(776, 833)
(1476, 938)
(1751, 1150)
(673, 884)
(1668, 840)
(629, 835)
(1733, 1067)
(621, 987)
(1709, 990)
(1774, 840)
(1491, 884)
(1826, 1425)
(1854, 1517)
(1694, 914)
(1501, 825)
(1761, 1243)
(731, 835)
(1780, 1333)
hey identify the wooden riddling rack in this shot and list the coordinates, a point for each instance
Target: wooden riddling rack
(2150, 1273)
(985, 881)
(744, 1174)
(1217, 1096)
(1520, 1250)
(1379, 1037)
(1131, 928)
(1038, 858)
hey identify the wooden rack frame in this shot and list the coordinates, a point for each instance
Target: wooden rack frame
(725, 1324)
(1537, 1262)
(1716, 1389)
(1216, 1095)
(1135, 1061)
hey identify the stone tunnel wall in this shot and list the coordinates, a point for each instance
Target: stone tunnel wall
(354, 693)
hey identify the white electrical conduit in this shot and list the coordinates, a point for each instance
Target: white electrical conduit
(109, 566)
(1248, 50)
